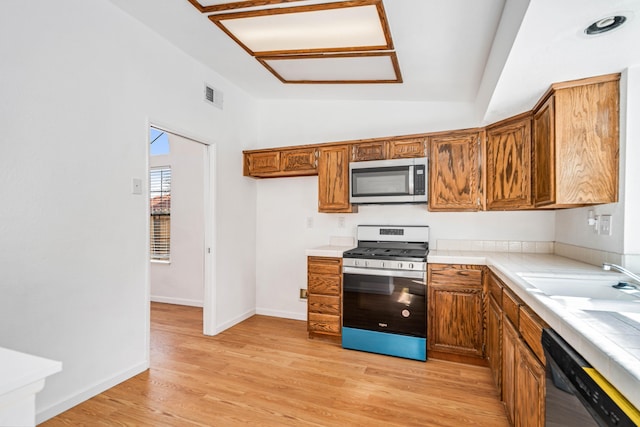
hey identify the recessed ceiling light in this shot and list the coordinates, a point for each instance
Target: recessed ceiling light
(605, 24)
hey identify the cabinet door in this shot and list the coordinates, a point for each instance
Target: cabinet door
(509, 165)
(509, 348)
(544, 154)
(587, 143)
(298, 162)
(407, 148)
(455, 311)
(262, 163)
(454, 172)
(333, 179)
(494, 340)
(369, 151)
(530, 389)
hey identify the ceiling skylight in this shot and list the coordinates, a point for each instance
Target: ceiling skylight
(336, 42)
(332, 27)
(335, 68)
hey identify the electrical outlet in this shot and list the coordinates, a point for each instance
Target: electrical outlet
(303, 293)
(309, 222)
(605, 225)
(341, 222)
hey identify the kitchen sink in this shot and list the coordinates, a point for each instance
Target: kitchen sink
(585, 292)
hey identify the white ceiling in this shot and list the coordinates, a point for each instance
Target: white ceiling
(444, 50)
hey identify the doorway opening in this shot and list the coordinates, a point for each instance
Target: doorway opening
(180, 220)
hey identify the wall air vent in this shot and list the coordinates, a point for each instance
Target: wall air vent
(213, 96)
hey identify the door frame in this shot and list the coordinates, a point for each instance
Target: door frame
(209, 303)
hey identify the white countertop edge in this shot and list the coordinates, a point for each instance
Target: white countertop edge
(617, 365)
(328, 251)
(18, 369)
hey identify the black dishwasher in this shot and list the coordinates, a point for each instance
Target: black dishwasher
(576, 394)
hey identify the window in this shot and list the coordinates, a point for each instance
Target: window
(160, 207)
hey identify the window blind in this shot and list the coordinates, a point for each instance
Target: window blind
(160, 207)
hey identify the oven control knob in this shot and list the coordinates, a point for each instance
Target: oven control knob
(411, 265)
(381, 264)
(366, 263)
(355, 262)
(399, 266)
(406, 313)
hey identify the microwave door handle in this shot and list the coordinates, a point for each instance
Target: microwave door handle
(411, 185)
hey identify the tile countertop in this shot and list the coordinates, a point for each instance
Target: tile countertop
(329, 250)
(609, 341)
(337, 245)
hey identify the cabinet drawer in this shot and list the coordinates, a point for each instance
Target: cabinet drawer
(321, 265)
(531, 330)
(511, 307)
(323, 284)
(324, 304)
(451, 275)
(495, 289)
(325, 323)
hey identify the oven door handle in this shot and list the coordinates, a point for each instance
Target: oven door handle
(388, 273)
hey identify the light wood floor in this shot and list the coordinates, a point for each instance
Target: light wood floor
(265, 372)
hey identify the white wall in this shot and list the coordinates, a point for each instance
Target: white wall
(79, 82)
(285, 205)
(180, 280)
(631, 131)
(306, 122)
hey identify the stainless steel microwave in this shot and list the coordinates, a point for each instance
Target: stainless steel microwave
(388, 181)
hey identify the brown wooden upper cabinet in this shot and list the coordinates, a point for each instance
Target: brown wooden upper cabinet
(281, 162)
(365, 151)
(564, 153)
(454, 171)
(396, 148)
(508, 160)
(405, 148)
(333, 179)
(575, 143)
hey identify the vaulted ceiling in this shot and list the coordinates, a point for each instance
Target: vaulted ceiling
(500, 55)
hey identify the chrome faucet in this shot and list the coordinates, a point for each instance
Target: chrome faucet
(607, 266)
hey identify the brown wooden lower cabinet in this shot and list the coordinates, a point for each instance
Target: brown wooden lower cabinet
(455, 313)
(324, 296)
(522, 367)
(529, 388)
(494, 340)
(509, 348)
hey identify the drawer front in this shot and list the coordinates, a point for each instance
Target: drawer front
(324, 304)
(324, 323)
(451, 275)
(320, 265)
(511, 307)
(323, 284)
(495, 289)
(531, 330)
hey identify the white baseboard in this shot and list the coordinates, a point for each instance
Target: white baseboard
(283, 314)
(226, 325)
(178, 301)
(69, 402)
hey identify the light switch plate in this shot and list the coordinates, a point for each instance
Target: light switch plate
(605, 225)
(136, 186)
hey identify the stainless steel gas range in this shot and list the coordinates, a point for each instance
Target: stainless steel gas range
(385, 292)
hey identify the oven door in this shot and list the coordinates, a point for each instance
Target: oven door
(388, 301)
